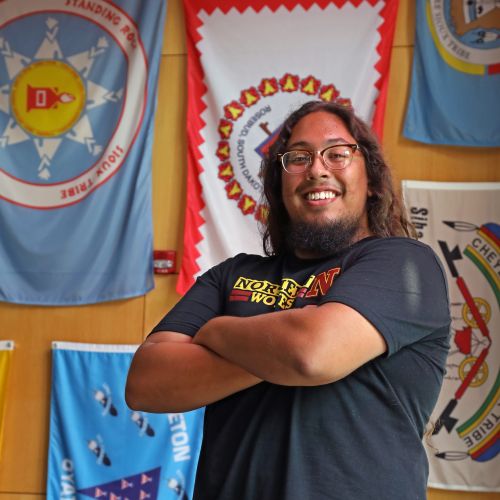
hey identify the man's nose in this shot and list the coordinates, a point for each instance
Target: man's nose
(317, 168)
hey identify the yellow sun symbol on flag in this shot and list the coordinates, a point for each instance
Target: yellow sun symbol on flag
(47, 98)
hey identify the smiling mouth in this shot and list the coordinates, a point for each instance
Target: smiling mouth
(321, 195)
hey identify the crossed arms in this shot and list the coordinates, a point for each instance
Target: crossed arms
(314, 345)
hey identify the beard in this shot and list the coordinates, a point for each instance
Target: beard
(321, 239)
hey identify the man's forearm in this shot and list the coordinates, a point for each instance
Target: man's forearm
(313, 345)
(262, 344)
(181, 376)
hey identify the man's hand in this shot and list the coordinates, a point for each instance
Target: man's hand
(169, 373)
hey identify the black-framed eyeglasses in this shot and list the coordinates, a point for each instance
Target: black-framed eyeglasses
(335, 157)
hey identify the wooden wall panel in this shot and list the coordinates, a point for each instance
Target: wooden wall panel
(169, 154)
(435, 494)
(405, 26)
(169, 161)
(21, 496)
(174, 40)
(169, 179)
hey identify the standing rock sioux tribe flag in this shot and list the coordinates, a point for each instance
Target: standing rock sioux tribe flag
(77, 96)
(460, 221)
(249, 65)
(455, 85)
(98, 447)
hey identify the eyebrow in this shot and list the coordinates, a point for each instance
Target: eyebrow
(329, 142)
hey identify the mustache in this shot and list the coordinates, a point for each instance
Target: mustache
(308, 185)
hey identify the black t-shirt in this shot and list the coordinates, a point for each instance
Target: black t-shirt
(355, 439)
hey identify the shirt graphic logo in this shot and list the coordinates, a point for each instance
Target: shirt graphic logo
(282, 295)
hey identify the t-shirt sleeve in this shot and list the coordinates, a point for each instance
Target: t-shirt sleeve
(399, 286)
(202, 302)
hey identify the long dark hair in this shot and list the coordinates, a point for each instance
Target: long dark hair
(386, 213)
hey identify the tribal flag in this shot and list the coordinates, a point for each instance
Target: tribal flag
(77, 97)
(6, 347)
(455, 86)
(249, 65)
(460, 221)
(98, 447)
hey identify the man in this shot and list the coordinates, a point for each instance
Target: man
(319, 364)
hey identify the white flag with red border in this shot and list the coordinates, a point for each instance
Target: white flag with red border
(249, 65)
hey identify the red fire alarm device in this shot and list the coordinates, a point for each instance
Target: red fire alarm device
(164, 261)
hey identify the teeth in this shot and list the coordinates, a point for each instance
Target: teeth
(321, 195)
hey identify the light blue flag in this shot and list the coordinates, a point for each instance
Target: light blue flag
(455, 90)
(77, 98)
(98, 447)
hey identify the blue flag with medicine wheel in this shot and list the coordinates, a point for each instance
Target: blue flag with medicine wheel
(455, 90)
(98, 447)
(77, 97)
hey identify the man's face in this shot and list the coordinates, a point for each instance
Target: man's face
(321, 196)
